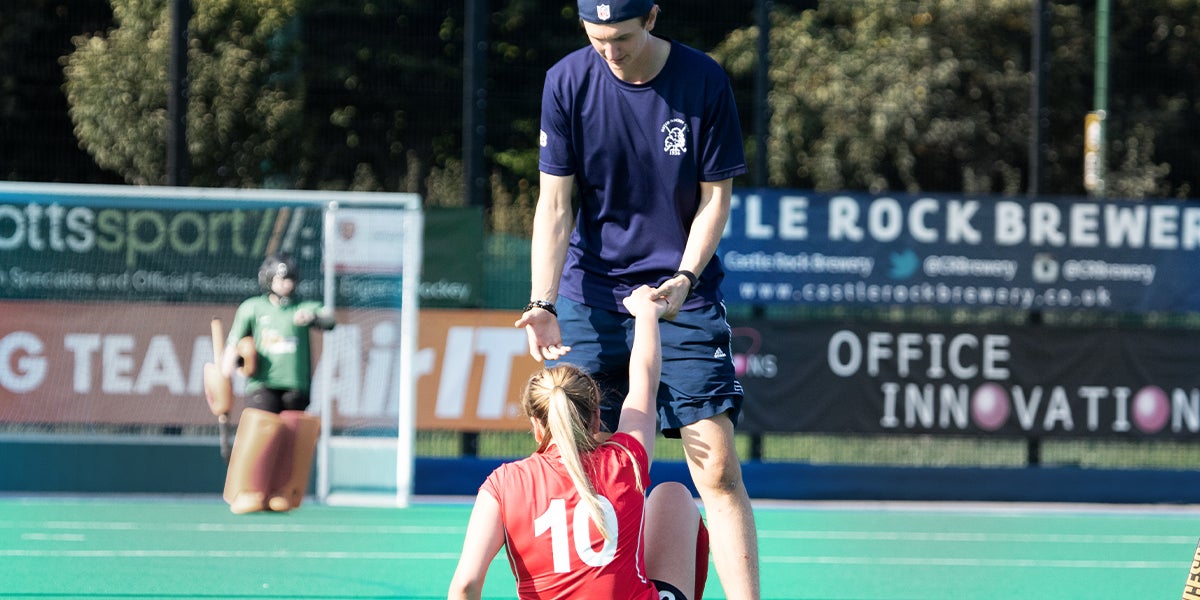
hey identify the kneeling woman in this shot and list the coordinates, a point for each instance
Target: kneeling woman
(574, 515)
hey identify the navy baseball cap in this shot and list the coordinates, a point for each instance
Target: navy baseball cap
(613, 11)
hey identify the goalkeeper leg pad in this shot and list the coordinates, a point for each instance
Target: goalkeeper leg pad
(253, 460)
(290, 481)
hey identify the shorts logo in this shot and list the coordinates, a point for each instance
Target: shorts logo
(603, 12)
(675, 143)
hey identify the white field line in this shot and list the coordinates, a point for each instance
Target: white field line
(233, 554)
(984, 538)
(240, 527)
(453, 556)
(72, 531)
(1010, 563)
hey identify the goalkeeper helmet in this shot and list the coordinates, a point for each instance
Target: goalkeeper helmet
(277, 266)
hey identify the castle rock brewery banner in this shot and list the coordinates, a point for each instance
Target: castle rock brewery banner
(789, 247)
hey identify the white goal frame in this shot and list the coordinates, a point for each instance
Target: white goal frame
(408, 206)
(412, 223)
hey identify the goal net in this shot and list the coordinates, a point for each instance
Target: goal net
(366, 383)
(109, 292)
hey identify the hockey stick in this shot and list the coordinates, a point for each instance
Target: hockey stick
(218, 389)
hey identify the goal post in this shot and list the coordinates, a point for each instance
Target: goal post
(374, 243)
(110, 291)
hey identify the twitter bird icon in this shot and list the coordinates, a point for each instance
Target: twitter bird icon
(904, 264)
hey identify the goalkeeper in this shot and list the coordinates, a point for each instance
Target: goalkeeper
(272, 453)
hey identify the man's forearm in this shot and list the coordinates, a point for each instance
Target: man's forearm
(708, 226)
(552, 223)
(547, 255)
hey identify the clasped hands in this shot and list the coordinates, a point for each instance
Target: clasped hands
(545, 338)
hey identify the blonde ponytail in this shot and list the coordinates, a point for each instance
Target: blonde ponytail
(565, 400)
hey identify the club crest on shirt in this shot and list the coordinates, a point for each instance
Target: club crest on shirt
(675, 143)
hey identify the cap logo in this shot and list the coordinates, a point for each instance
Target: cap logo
(613, 11)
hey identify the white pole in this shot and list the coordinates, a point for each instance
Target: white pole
(409, 308)
(328, 265)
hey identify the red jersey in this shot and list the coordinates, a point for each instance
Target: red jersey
(554, 549)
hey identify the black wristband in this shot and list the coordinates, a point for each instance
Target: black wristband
(542, 304)
(691, 277)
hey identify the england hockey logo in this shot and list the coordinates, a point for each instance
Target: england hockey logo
(603, 12)
(675, 143)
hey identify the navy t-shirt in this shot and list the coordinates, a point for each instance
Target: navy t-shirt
(638, 154)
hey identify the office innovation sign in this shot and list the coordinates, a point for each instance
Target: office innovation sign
(808, 376)
(787, 246)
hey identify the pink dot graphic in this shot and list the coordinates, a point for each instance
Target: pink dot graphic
(1151, 409)
(990, 406)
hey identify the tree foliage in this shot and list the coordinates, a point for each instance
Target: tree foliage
(928, 95)
(367, 95)
(383, 107)
(934, 95)
(904, 96)
(1154, 99)
(38, 141)
(244, 99)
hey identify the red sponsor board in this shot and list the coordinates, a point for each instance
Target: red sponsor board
(474, 366)
(123, 364)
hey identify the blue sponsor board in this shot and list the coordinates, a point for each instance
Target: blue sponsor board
(793, 246)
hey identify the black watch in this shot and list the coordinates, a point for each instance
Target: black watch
(542, 304)
(690, 276)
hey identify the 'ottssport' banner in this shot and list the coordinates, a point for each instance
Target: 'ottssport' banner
(824, 377)
(203, 246)
(146, 248)
(785, 247)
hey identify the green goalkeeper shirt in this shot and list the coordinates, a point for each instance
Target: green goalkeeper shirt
(284, 348)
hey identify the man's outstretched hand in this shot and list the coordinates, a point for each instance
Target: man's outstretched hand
(545, 339)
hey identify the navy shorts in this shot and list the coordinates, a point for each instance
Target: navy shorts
(698, 380)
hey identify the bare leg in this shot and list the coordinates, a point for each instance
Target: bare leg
(717, 474)
(672, 527)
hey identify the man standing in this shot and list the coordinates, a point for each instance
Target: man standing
(648, 131)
